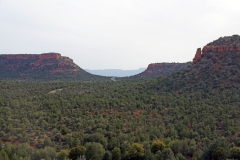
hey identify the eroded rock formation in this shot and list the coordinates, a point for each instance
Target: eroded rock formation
(29, 62)
(46, 56)
(222, 45)
(221, 48)
(17, 66)
(198, 55)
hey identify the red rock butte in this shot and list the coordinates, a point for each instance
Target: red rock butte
(222, 45)
(58, 63)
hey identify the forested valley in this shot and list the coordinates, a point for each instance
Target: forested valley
(191, 114)
(116, 120)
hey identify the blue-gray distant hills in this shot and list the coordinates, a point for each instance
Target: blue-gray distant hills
(116, 72)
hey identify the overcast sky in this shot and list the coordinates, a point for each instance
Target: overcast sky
(115, 34)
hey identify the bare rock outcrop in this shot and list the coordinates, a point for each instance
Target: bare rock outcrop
(221, 48)
(225, 44)
(38, 65)
(198, 55)
(50, 62)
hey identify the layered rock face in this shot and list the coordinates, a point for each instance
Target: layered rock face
(46, 56)
(221, 48)
(39, 66)
(222, 45)
(215, 68)
(25, 63)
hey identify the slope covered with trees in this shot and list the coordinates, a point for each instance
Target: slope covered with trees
(193, 114)
(217, 68)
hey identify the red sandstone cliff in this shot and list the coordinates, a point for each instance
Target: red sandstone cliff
(222, 45)
(27, 64)
(44, 67)
(198, 55)
(46, 56)
(221, 48)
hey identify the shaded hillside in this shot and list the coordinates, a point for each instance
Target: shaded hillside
(159, 70)
(216, 66)
(47, 66)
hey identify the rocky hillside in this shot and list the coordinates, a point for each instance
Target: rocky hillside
(216, 66)
(46, 66)
(160, 69)
(227, 44)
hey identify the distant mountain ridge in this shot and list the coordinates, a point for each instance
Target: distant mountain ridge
(115, 72)
(46, 66)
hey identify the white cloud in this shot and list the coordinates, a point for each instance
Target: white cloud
(113, 33)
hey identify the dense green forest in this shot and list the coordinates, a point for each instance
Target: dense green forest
(122, 120)
(192, 114)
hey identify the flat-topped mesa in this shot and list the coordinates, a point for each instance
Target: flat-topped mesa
(45, 66)
(161, 69)
(46, 62)
(159, 66)
(153, 65)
